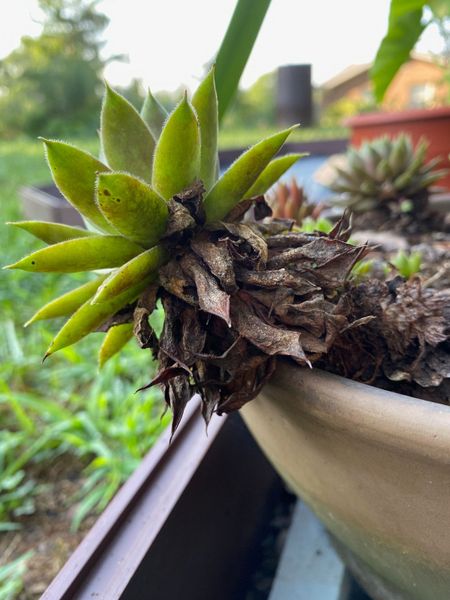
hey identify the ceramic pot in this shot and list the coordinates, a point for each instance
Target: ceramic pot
(433, 124)
(375, 468)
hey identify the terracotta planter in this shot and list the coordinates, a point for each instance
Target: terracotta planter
(434, 124)
(374, 466)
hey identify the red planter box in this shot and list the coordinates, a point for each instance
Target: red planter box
(433, 124)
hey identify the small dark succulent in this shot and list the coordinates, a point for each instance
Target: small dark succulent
(289, 201)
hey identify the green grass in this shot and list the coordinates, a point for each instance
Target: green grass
(241, 138)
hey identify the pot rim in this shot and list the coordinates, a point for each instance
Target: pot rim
(404, 116)
(383, 417)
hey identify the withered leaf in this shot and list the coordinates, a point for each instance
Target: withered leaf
(216, 256)
(289, 240)
(255, 240)
(271, 340)
(142, 329)
(175, 281)
(211, 298)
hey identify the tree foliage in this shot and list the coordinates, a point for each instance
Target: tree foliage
(51, 84)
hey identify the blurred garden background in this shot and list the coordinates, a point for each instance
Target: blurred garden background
(71, 434)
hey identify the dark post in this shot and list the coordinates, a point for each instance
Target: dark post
(294, 95)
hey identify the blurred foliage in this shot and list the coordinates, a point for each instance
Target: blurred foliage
(67, 407)
(50, 85)
(407, 21)
(253, 107)
(336, 114)
(11, 576)
(407, 265)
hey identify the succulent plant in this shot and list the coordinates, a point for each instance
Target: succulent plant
(387, 174)
(164, 225)
(289, 201)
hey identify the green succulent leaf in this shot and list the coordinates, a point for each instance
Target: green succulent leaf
(74, 172)
(231, 188)
(127, 142)
(176, 163)
(153, 114)
(51, 233)
(271, 174)
(68, 303)
(132, 207)
(404, 29)
(82, 254)
(130, 273)
(204, 102)
(90, 317)
(115, 339)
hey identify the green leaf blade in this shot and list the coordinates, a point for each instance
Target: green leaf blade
(236, 47)
(51, 233)
(115, 339)
(404, 29)
(176, 164)
(68, 303)
(127, 142)
(74, 173)
(231, 188)
(133, 208)
(153, 114)
(205, 103)
(82, 254)
(90, 317)
(130, 274)
(271, 174)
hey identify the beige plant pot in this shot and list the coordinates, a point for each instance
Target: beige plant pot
(375, 468)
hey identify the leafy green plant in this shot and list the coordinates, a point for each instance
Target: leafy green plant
(16, 491)
(322, 224)
(387, 174)
(156, 170)
(363, 268)
(407, 265)
(407, 21)
(99, 419)
(11, 576)
(158, 211)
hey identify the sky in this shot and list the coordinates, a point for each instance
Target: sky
(168, 42)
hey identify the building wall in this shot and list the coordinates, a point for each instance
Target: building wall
(418, 84)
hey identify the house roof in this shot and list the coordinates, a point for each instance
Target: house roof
(353, 71)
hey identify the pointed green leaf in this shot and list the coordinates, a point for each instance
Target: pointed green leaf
(126, 140)
(176, 163)
(74, 173)
(51, 233)
(68, 303)
(271, 174)
(83, 254)
(130, 273)
(236, 48)
(115, 339)
(132, 207)
(205, 103)
(90, 317)
(230, 189)
(404, 29)
(153, 114)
